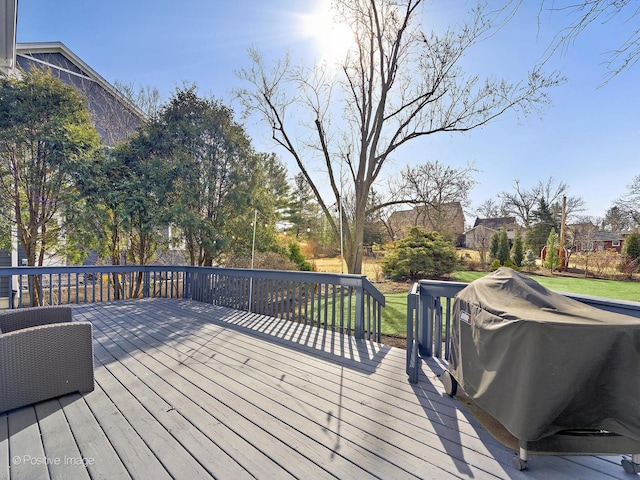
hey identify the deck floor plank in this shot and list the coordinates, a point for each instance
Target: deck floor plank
(240, 440)
(212, 458)
(4, 447)
(459, 449)
(319, 426)
(319, 398)
(359, 414)
(128, 442)
(59, 445)
(103, 461)
(273, 436)
(25, 445)
(185, 389)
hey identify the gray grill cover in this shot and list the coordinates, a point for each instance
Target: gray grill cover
(539, 362)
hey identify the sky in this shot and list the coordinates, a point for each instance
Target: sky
(588, 137)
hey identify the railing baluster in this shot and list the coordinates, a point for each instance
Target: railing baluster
(292, 296)
(321, 320)
(333, 307)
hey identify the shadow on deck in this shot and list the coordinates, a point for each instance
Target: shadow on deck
(190, 390)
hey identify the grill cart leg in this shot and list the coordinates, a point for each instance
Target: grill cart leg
(520, 462)
(633, 465)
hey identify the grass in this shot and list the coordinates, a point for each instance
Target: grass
(394, 314)
(613, 289)
(394, 320)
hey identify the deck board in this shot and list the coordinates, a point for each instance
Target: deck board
(276, 438)
(24, 437)
(133, 433)
(200, 447)
(273, 374)
(189, 390)
(102, 460)
(58, 443)
(4, 447)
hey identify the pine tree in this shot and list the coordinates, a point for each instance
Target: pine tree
(420, 254)
(544, 222)
(632, 246)
(631, 254)
(503, 247)
(493, 248)
(530, 260)
(517, 252)
(552, 260)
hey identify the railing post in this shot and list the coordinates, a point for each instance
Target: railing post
(425, 325)
(412, 365)
(186, 283)
(146, 279)
(437, 333)
(359, 326)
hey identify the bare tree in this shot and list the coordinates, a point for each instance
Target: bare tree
(482, 243)
(617, 220)
(583, 233)
(630, 201)
(522, 202)
(436, 187)
(553, 193)
(582, 14)
(396, 84)
(491, 209)
(145, 98)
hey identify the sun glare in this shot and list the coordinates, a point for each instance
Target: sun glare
(332, 39)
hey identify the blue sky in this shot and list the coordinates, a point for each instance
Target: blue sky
(588, 137)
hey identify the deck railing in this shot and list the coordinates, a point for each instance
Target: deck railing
(429, 309)
(349, 304)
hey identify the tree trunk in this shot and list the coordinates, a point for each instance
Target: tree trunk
(356, 239)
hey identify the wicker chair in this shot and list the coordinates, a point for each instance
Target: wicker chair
(43, 354)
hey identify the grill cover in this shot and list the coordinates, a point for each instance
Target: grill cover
(540, 363)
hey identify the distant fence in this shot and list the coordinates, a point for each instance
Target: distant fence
(429, 309)
(349, 304)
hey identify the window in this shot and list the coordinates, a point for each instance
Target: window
(615, 243)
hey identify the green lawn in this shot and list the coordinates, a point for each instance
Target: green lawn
(586, 286)
(394, 314)
(394, 321)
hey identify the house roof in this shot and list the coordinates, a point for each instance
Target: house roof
(608, 236)
(482, 226)
(450, 213)
(78, 68)
(452, 208)
(495, 223)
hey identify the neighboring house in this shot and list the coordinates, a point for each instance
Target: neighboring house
(479, 237)
(587, 237)
(113, 115)
(599, 241)
(447, 218)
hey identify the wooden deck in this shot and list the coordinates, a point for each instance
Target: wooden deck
(189, 390)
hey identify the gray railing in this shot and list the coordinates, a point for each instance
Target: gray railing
(429, 309)
(349, 304)
(345, 303)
